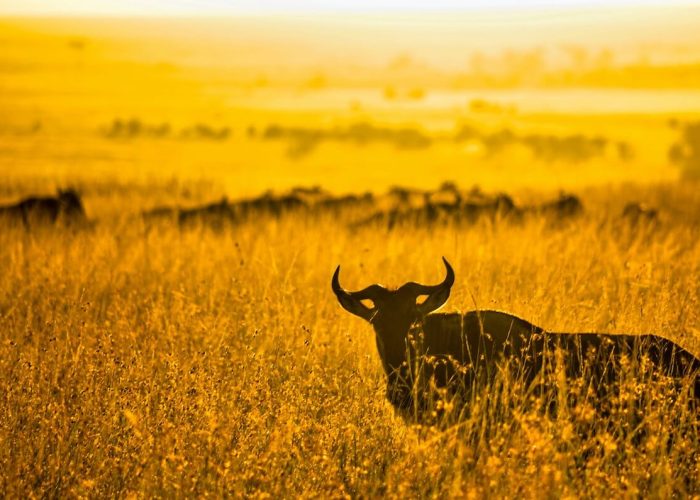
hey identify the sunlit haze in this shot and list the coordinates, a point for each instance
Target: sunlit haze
(182, 181)
(210, 7)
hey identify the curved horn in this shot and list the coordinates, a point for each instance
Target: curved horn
(366, 293)
(351, 301)
(446, 283)
(437, 294)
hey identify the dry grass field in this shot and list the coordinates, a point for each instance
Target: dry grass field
(189, 363)
(152, 360)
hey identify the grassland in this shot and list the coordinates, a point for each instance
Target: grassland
(169, 363)
(140, 362)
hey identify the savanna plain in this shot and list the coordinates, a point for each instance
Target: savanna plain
(141, 356)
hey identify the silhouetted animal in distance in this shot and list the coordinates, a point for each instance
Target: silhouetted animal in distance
(161, 215)
(269, 204)
(336, 205)
(466, 346)
(566, 206)
(443, 212)
(500, 207)
(66, 208)
(640, 213)
(214, 215)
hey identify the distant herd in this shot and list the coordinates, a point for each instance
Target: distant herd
(65, 208)
(399, 207)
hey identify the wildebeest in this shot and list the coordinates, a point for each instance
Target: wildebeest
(66, 208)
(214, 215)
(566, 206)
(433, 212)
(337, 205)
(405, 197)
(223, 213)
(269, 205)
(464, 348)
(161, 215)
(499, 207)
(640, 213)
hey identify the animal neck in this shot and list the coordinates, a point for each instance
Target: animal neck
(393, 342)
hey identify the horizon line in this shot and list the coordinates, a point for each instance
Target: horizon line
(363, 9)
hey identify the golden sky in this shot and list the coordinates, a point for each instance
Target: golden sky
(205, 7)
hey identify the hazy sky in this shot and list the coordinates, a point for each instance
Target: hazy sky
(205, 7)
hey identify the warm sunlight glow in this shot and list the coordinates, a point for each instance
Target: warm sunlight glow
(512, 191)
(190, 7)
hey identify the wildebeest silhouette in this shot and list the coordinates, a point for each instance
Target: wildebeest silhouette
(164, 214)
(403, 196)
(433, 212)
(66, 207)
(214, 215)
(336, 205)
(219, 214)
(500, 207)
(458, 349)
(269, 205)
(640, 213)
(564, 207)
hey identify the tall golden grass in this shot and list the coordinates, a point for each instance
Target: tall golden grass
(158, 362)
(149, 361)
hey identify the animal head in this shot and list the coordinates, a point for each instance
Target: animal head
(393, 312)
(71, 203)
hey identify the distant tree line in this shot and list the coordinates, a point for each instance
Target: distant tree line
(134, 128)
(303, 140)
(685, 152)
(546, 147)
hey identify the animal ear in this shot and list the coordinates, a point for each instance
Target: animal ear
(352, 302)
(355, 307)
(434, 301)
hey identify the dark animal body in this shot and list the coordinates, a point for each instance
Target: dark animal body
(336, 206)
(224, 213)
(481, 340)
(462, 348)
(440, 212)
(477, 207)
(566, 206)
(640, 213)
(161, 214)
(269, 205)
(215, 215)
(36, 211)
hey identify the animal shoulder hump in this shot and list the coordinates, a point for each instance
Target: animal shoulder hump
(442, 322)
(494, 320)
